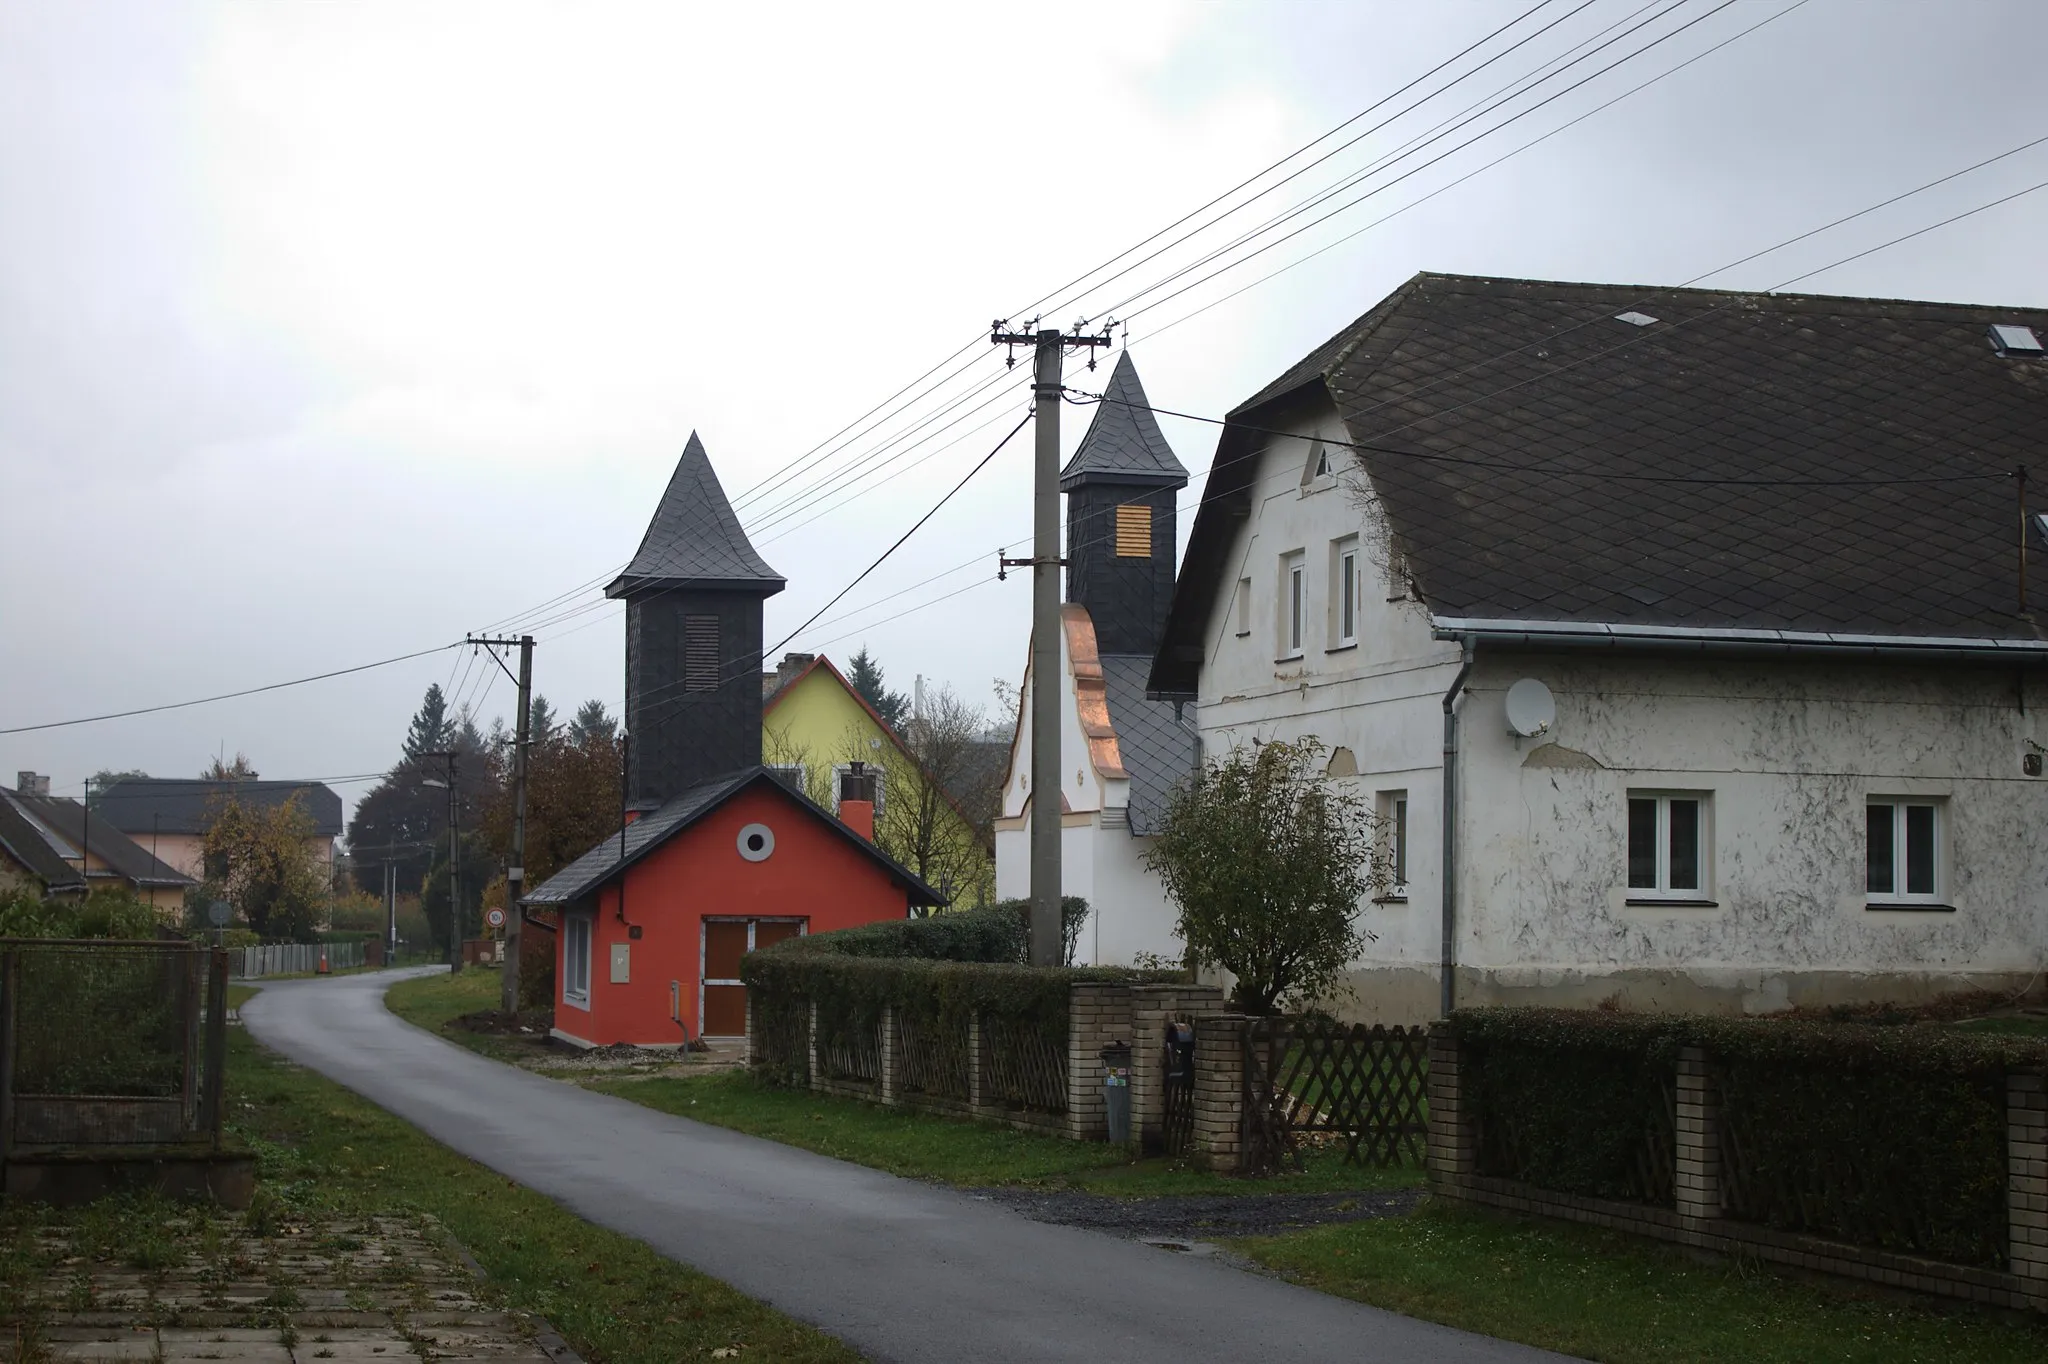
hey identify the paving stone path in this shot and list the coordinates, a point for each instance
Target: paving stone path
(353, 1291)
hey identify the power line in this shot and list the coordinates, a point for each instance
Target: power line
(226, 696)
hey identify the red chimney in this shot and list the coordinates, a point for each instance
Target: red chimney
(857, 800)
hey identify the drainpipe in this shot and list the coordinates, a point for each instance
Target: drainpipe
(1448, 966)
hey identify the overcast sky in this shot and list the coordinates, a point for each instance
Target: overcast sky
(331, 331)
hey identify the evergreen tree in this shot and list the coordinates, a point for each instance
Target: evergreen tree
(866, 676)
(541, 725)
(431, 730)
(593, 724)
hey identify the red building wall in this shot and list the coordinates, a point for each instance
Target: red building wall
(814, 874)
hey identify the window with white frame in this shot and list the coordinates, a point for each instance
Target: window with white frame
(1669, 845)
(870, 770)
(1344, 592)
(1244, 607)
(1904, 851)
(789, 774)
(1393, 811)
(576, 959)
(1293, 603)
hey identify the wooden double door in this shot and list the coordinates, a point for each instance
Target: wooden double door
(722, 1000)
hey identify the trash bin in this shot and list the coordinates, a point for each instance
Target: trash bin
(1116, 1090)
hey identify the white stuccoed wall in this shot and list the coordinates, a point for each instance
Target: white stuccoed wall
(1789, 750)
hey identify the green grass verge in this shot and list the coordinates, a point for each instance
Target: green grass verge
(2020, 1025)
(1602, 1296)
(323, 1150)
(918, 1145)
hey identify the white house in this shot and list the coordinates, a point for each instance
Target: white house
(1124, 751)
(1760, 562)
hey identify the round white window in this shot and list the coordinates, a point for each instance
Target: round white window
(756, 842)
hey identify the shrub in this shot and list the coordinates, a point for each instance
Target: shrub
(997, 933)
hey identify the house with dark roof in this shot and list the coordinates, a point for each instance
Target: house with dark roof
(1683, 638)
(1126, 752)
(171, 815)
(58, 848)
(715, 857)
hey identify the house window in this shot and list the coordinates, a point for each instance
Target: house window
(1394, 837)
(576, 960)
(1293, 604)
(1904, 852)
(1317, 468)
(789, 774)
(872, 772)
(700, 653)
(1344, 594)
(1244, 607)
(1134, 532)
(1667, 845)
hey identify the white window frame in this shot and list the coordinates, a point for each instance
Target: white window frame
(795, 770)
(1702, 893)
(578, 930)
(1344, 592)
(1898, 895)
(1393, 811)
(1293, 603)
(753, 922)
(1244, 607)
(1317, 472)
(873, 770)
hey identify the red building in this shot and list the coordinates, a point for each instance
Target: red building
(718, 857)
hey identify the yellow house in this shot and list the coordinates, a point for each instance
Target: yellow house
(815, 726)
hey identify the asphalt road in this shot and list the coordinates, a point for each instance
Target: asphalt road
(898, 1269)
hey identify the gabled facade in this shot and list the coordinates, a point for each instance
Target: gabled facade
(715, 858)
(54, 845)
(1761, 555)
(1125, 751)
(171, 816)
(815, 725)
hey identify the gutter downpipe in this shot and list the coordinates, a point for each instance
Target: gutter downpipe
(1448, 965)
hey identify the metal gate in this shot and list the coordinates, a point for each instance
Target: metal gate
(1178, 1129)
(1317, 1080)
(107, 1043)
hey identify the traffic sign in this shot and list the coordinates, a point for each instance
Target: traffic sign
(218, 913)
(495, 918)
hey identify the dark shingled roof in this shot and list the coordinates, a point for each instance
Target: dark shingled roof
(590, 871)
(1158, 750)
(1514, 429)
(1123, 443)
(694, 538)
(122, 854)
(30, 847)
(174, 805)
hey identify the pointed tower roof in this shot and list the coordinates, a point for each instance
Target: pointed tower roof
(695, 540)
(1124, 443)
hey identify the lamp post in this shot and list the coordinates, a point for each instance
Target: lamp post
(454, 855)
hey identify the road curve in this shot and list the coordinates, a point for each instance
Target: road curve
(898, 1269)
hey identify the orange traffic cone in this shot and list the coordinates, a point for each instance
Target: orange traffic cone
(323, 963)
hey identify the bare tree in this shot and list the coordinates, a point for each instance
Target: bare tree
(939, 796)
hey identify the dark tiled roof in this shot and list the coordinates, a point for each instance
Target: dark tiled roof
(590, 871)
(1512, 428)
(1124, 443)
(694, 538)
(122, 854)
(30, 847)
(1158, 750)
(173, 805)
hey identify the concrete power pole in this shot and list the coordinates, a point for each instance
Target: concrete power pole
(1049, 348)
(515, 873)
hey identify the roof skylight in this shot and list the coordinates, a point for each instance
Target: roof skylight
(1635, 319)
(2010, 338)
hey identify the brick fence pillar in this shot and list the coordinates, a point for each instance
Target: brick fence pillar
(1453, 1133)
(1152, 1008)
(888, 1057)
(977, 1101)
(1098, 1013)
(2026, 1198)
(1219, 1091)
(811, 1048)
(1696, 1173)
(753, 1038)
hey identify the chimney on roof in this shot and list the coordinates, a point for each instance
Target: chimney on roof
(791, 665)
(857, 800)
(30, 784)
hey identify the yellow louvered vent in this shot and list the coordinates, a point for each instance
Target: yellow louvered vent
(1134, 532)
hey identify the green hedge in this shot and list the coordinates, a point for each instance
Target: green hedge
(1890, 1136)
(995, 934)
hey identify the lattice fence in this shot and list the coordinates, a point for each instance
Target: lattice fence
(782, 1036)
(1317, 1081)
(1177, 1127)
(1024, 1065)
(850, 1045)
(931, 1054)
(1597, 1124)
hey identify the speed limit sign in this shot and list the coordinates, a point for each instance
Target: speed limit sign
(495, 918)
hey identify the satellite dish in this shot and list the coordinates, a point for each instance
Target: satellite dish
(1531, 709)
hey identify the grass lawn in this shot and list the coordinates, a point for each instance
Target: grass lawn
(921, 1146)
(2023, 1025)
(324, 1150)
(1602, 1296)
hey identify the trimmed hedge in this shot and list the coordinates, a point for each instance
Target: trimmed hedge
(1890, 1136)
(997, 933)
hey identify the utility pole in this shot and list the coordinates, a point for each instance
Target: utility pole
(515, 874)
(1049, 347)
